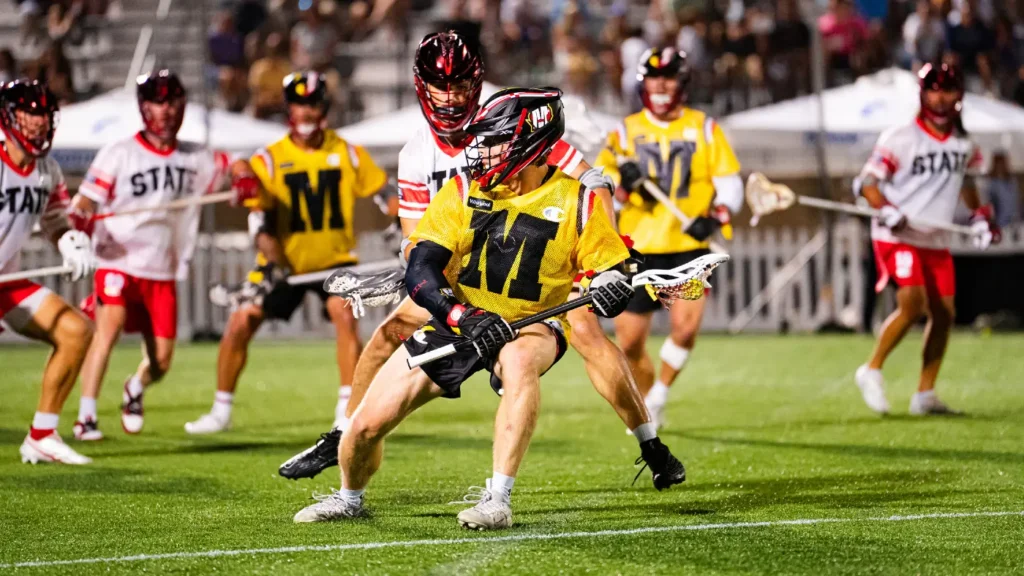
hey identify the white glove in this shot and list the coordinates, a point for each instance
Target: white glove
(76, 248)
(891, 217)
(981, 234)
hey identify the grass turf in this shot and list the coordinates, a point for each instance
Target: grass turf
(770, 428)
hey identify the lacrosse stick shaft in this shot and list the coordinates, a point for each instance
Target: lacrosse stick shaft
(368, 268)
(659, 195)
(172, 205)
(871, 212)
(37, 273)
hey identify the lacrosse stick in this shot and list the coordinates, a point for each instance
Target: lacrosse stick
(172, 205)
(765, 197)
(37, 273)
(363, 289)
(686, 282)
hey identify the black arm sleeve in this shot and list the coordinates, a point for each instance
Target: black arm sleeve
(424, 278)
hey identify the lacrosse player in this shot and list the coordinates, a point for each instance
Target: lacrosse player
(32, 190)
(139, 256)
(497, 245)
(306, 185)
(448, 74)
(686, 154)
(921, 170)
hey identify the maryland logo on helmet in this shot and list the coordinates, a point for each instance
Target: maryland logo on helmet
(306, 88)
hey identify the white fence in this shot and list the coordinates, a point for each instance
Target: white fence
(756, 256)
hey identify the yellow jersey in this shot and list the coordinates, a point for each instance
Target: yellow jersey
(308, 197)
(682, 157)
(518, 255)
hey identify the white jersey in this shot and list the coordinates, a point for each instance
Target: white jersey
(921, 174)
(36, 194)
(426, 163)
(132, 174)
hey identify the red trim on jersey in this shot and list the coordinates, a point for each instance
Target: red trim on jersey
(17, 169)
(936, 135)
(450, 150)
(145, 144)
(976, 160)
(590, 204)
(460, 185)
(412, 185)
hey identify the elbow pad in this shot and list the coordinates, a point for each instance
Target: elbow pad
(425, 281)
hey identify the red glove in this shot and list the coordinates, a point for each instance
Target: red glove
(987, 215)
(81, 221)
(246, 187)
(722, 214)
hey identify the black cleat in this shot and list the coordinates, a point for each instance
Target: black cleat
(666, 469)
(315, 459)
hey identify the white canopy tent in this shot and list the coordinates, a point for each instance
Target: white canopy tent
(780, 139)
(87, 126)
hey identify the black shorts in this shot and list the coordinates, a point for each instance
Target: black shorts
(642, 302)
(449, 373)
(284, 299)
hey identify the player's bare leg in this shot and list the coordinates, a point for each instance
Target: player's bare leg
(941, 314)
(157, 353)
(109, 323)
(232, 356)
(631, 331)
(347, 344)
(393, 394)
(911, 303)
(69, 332)
(684, 318)
(386, 339)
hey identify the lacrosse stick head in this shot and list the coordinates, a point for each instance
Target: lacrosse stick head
(765, 196)
(686, 282)
(232, 297)
(366, 290)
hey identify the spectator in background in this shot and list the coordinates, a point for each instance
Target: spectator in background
(1003, 192)
(54, 69)
(735, 66)
(32, 29)
(62, 21)
(790, 52)
(1008, 53)
(844, 33)
(227, 54)
(249, 15)
(8, 66)
(315, 37)
(924, 36)
(970, 43)
(267, 76)
(632, 48)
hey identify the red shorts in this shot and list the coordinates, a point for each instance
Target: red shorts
(909, 265)
(19, 301)
(151, 305)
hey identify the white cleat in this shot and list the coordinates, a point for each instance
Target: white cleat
(131, 412)
(870, 383)
(208, 424)
(330, 507)
(87, 431)
(927, 403)
(491, 512)
(50, 449)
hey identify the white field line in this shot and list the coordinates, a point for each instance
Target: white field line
(498, 539)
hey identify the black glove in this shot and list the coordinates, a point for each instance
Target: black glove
(630, 176)
(611, 293)
(486, 330)
(703, 227)
(268, 277)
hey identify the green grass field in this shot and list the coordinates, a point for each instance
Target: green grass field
(771, 430)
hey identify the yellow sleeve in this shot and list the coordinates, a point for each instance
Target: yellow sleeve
(599, 247)
(259, 164)
(608, 158)
(370, 177)
(442, 222)
(723, 159)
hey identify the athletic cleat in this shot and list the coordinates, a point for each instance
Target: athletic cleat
(131, 412)
(315, 459)
(666, 469)
(927, 403)
(50, 449)
(330, 507)
(207, 424)
(870, 383)
(87, 431)
(491, 512)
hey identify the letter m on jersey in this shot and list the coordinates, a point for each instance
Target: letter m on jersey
(328, 189)
(527, 236)
(662, 167)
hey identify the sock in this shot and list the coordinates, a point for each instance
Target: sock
(86, 409)
(658, 394)
(924, 395)
(502, 484)
(645, 432)
(134, 387)
(352, 494)
(341, 424)
(222, 405)
(43, 425)
(344, 393)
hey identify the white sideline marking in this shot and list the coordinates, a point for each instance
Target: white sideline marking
(511, 538)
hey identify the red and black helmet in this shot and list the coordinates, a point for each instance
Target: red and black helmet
(663, 63)
(514, 128)
(159, 87)
(445, 61)
(944, 78)
(35, 99)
